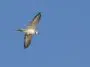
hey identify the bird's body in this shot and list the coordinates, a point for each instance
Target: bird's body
(30, 30)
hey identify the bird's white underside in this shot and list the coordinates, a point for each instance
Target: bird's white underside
(30, 31)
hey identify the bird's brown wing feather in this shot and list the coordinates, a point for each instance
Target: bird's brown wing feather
(35, 20)
(27, 40)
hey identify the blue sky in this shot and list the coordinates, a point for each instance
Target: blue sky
(64, 39)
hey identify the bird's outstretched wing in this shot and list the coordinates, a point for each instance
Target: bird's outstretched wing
(35, 20)
(27, 40)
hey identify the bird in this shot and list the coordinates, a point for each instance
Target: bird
(30, 30)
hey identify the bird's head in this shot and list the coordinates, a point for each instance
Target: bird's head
(36, 33)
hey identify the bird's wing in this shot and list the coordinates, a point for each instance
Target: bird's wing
(35, 20)
(27, 40)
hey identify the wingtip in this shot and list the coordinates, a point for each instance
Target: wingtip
(25, 47)
(39, 14)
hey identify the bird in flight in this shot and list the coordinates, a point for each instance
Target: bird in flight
(30, 30)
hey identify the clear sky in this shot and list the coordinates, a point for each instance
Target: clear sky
(64, 39)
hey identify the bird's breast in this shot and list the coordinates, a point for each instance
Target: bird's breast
(31, 31)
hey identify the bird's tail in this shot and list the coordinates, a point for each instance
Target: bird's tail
(21, 30)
